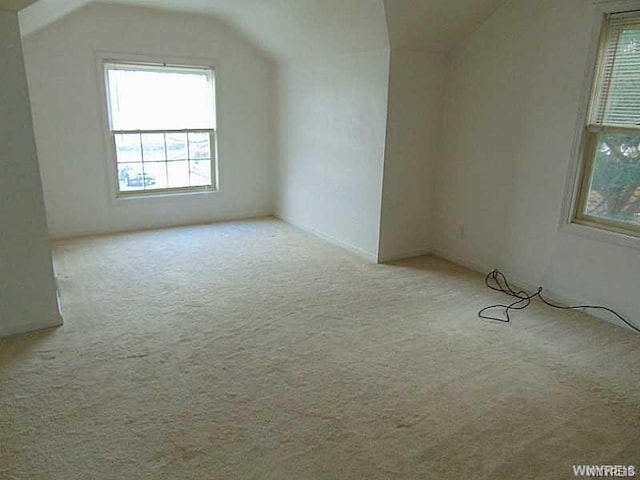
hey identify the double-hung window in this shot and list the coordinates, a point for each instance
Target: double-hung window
(609, 195)
(162, 125)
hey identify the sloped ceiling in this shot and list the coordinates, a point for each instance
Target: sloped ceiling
(282, 28)
(298, 28)
(15, 5)
(435, 25)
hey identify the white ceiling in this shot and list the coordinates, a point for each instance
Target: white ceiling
(283, 28)
(435, 25)
(294, 28)
(14, 5)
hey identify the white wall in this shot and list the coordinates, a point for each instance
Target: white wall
(331, 152)
(70, 131)
(514, 95)
(27, 290)
(416, 91)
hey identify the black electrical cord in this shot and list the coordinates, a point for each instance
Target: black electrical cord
(496, 280)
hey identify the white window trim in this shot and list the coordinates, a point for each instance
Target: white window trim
(615, 6)
(568, 223)
(110, 163)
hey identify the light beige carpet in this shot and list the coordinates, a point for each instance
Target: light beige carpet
(251, 350)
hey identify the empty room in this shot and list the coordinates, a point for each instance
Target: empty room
(319, 239)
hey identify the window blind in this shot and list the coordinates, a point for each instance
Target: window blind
(616, 95)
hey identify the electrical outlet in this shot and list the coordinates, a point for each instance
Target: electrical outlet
(462, 231)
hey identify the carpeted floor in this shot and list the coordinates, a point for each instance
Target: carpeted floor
(251, 350)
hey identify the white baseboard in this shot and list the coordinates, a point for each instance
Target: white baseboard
(160, 226)
(394, 257)
(471, 265)
(520, 283)
(370, 257)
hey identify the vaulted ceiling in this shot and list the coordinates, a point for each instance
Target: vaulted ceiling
(15, 5)
(435, 25)
(294, 28)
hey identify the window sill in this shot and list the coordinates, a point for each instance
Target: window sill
(132, 197)
(600, 233)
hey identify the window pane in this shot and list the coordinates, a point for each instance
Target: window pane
(200, 173)
(623, 94)
(128, 148)
(199, 147)
(157, 98)
(132, 177)
(153, 147)
(614, 191)
(125, 173)
(178, 174)
(155, 176)
(177, 146)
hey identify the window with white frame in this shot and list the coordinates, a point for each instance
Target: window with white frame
(162, 125)
(609, 195)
